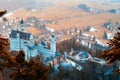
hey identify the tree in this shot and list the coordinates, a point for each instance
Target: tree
(2, 13)
(113, 54)
(33, 70)
(4, 55)
(113, 11)
(105, 35)
(19, 68)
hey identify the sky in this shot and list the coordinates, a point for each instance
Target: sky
(12, 4)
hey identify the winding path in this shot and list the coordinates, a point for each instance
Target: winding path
(78, 61)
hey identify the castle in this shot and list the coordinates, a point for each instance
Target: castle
(20, 40)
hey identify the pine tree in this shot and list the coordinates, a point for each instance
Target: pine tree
(2, 13)
(19, 68)
(105, 35)
(113, 54)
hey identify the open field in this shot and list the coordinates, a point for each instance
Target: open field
(65, 15)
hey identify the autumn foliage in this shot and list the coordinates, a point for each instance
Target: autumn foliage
(20, 69)
(113, 54)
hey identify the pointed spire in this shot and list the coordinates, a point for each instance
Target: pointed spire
(22, 25)
(53, 43)
(21, 22)
(53, 35)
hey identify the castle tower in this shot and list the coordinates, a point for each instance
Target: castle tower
(18, 47)
(53, 44)
(22, 25)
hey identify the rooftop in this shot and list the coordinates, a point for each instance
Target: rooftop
(23, 35)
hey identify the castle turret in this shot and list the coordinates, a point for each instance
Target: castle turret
(53, 44)
(22, 25)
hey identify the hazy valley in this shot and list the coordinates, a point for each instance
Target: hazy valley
(66, 36)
